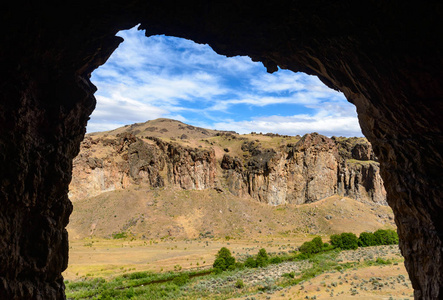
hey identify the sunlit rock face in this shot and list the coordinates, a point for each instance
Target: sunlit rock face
(315, 168)
(385, 57)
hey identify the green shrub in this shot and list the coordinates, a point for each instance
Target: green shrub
(335, 240)
(130, 293)
(344, 241)
(119, 235)
(366, 239)
(289, 275)
(312, 247)
(348, 241)
(181, 280)
(302, 256)
(262, 258)
(382, 261)
(136, 275)
(317, 242)
(224, 260)
(250, 262)
(238, 265)
(275, 260)
(386, 237)
(239, 284)
(393, 237)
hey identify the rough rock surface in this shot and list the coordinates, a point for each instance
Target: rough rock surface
(313, 169)
(305, 172)
(384, 56)
(106, 164)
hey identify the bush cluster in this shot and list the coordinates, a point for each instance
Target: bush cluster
(313, 247)
(347, 240)
(344, 241)
(180, 280)
(225, 261)
(380, 237)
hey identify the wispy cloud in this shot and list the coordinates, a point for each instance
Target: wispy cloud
(297, 124)
(159, 76)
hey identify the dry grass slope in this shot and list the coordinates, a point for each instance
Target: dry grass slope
(182, 214)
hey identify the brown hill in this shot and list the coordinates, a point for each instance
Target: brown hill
(163, 178)
(270, 168)
(163, 128)
(187, 214)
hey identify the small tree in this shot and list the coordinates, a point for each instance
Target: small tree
(223, 260)
(336, 240)
(348, 241)
(392, 237)
(312, 247)
(318, 243)
(262, 258)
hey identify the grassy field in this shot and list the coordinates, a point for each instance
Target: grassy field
(125, 269)
(94, 257)
(115, 235)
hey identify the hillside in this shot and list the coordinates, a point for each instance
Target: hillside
(269, 168)
(173, 213)
(164, 178)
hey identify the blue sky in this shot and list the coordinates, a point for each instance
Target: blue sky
(168, 77)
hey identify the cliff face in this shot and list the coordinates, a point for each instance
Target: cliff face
(312, 169)
(308, 171)
(106, 164)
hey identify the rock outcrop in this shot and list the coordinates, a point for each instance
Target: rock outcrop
(314, 168)
(106, 164)
(305, 172)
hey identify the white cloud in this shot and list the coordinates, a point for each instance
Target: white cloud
(280, 81)
(261, 101)
(118, 111)
(297, 124)
(148, 78)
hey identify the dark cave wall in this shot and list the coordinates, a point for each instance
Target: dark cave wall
(36, 148)
(385, 57)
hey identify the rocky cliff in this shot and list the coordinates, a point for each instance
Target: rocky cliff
(308, 171)
(297, 171)
(106, 164)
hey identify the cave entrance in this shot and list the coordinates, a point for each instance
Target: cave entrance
(383, 56)
(173, 78)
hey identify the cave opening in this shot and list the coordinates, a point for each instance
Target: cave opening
(384, 57)
(134, 86)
